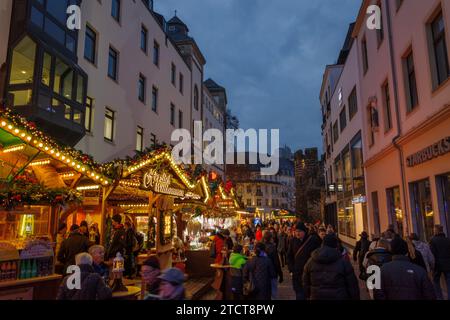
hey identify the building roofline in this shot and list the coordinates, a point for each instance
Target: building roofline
(361, 18)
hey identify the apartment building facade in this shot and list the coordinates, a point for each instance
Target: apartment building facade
(404, 77)
(345, 197)
(120, 84)
(214, 111)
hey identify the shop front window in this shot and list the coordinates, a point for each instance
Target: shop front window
(339, 175)
(347, 171)
(46, 69)
(422, 208)
(24, 222)
(346, 218)
(444, 199)
(23, 60)
(357, 164)
(395, 209)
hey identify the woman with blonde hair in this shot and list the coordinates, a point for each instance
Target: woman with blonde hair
(414, 255)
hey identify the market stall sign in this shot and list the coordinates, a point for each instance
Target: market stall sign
(37, 249)
(91, 198)
(160, 183)
(436, 150)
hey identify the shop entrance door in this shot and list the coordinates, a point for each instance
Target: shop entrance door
(443, 187)
(422, 208)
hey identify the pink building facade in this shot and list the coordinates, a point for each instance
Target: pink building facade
(404, 79)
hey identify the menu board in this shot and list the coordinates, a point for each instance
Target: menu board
(37, 249)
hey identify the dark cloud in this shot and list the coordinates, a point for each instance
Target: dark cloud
(270, 56)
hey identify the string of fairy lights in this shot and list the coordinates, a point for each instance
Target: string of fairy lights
(84, 165)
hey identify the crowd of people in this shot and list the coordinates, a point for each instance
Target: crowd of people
(320, 265)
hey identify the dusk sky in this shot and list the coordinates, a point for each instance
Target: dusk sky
(270, 56)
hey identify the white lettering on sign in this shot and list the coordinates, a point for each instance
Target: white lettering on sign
(160, 183)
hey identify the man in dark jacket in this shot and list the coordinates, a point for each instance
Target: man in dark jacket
(118, 239)
(440, 247)
(329, 277)
(299, 251)
(403, 280)
(272, 254)
(76, 243)
(92, 285)
(361, 248)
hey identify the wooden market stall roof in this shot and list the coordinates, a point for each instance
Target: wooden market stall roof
(23, 145)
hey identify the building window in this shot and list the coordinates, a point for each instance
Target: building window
(249, 202)
(89, 114)
(343, 119)
(352, 104)
(155, 99)
(140, 139)
(63, 82)
(258, 202)
(112, 63)
(395, 212)
(441, 66)
(181, 83)
(196, 98)
(387, 107)
(90, 45)
(365, 56)
(172, 114)
(109, 124)
(335, 132)
(180, 119)
(443, 184)
(142, 88)
(115, 10)
(46, 69)
(156, 53)
(380, 32)
(24, 56)
(346, 218)
(422, 209)
(357, 163)
(348, 183)
(249, 189)
(173, 74)
(376, 214)
(144, 39)
(411, 85)
(153, 141)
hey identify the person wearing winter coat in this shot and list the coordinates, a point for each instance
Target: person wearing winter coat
(118, 239)
(378, 256)
(329, 277)
(425, 250)
(403, 280)
(415, 255)
(440, 247)
(76, 243)
(260, 271)
(237, 263)
(282, 245)
(361, 248)
(93, 287)
(272, 253)
(299, 251)
(258, 233)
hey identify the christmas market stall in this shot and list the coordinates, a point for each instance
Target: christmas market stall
(38, 179)
(145, 191)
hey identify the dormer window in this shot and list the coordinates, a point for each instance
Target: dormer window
(172, 28)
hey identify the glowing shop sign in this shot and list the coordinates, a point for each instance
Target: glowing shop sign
(160, 183)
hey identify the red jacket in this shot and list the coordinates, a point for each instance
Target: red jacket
(258, 235)
(218, 242)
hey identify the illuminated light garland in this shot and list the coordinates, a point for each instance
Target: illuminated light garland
(13, 148)
(93, 187)
(130, 183)
(67, 175)
(135, 205)
(27, 131)
(206, 189)
(39, 163)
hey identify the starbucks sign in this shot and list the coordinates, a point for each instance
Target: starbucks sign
(438, 149)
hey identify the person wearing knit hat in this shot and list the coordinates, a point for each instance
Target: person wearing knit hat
(172, 287)
(150, 272)
(299, 251)
(327, 276)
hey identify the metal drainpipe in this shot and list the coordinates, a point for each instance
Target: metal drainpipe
(397, 115)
